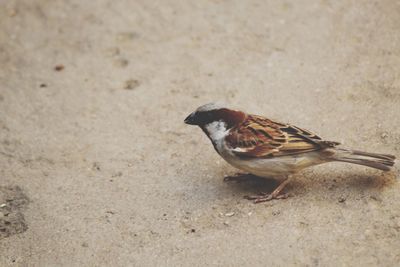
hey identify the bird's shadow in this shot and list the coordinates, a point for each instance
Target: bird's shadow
(303, 183)
(251, 184)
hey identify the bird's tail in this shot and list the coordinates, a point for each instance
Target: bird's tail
(382, 162)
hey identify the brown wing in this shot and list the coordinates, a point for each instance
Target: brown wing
(260, 137)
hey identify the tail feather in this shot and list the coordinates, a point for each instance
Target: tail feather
(365, 162)
(374, 155)
(382, 162)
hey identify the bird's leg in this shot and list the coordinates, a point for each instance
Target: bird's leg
(238, 177)
(274, 195)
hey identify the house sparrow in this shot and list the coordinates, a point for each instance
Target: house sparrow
(267, 148)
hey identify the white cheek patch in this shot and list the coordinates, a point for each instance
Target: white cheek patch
(217, 130)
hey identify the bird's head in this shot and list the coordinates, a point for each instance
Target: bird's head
(214, 113)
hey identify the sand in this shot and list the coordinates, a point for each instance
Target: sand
(97, 167)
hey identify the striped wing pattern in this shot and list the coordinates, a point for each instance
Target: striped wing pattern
(260, 137)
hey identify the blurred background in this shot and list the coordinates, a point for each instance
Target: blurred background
(97, 167)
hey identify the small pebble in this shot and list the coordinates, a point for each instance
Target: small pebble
(121, 62)
(127, 36)
(96, 166)
(12, 13)
(131, 84)
(113, 51)
(342, 199)
(59, 67)
(3, 205)
(117, 174)
(229, 214)
(277, 212)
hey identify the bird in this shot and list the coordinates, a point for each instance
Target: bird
(269, 149)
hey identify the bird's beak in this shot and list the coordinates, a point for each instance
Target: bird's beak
(191, 119)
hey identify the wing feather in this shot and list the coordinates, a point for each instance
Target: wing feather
(260, 137)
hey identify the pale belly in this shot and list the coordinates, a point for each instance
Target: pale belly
(277, 168)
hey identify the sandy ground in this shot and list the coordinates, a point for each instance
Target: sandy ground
(97, 167)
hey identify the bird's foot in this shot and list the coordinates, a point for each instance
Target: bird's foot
(276, 194)
(238, 177)
(264, 197)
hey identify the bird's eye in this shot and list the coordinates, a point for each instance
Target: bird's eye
(204, 117)
(210, 117)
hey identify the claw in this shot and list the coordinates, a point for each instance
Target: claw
(263, 197)
(253, 197)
